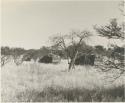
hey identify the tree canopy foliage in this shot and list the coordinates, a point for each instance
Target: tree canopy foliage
(111, 31)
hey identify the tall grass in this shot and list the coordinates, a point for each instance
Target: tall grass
(59, 94)
(51, 82)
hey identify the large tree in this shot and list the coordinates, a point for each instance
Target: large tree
(113, 31)
(74, 39)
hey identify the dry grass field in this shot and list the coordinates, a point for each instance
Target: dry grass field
(38, 82)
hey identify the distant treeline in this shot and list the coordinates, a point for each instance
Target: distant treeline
(37, 53)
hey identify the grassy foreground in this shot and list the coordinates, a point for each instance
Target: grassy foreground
(34, 82)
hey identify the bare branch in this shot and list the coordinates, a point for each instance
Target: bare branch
(75, 38)
(4, 60)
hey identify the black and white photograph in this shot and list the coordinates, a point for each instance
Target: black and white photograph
(62, 51)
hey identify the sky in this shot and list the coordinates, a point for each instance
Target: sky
(29, 23)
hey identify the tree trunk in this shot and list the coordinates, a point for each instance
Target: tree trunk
(72, 62)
